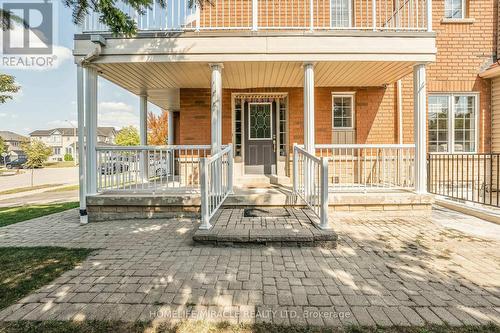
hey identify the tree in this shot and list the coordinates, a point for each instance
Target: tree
(128, 136)
(37, 153)
(7, 83)
(119, 22)
(3, 146)
(7, 87)
(7, 20)
(157, 128)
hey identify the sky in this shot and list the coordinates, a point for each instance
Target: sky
(47, 98)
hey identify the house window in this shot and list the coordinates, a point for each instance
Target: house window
(452, 123)
(260, 121)
(454, 9)
(340, 13)
(238, 126)
(343, 111)
(57, 151)
(283, 129)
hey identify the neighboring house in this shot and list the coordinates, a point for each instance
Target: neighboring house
(65, 140)
(14, 142)
(372, 86)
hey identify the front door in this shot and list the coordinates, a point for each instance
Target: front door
(260, 138)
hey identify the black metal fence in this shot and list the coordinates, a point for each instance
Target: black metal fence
(465, 176)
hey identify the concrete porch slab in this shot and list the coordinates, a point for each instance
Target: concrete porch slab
(147, 205)
(299, 228)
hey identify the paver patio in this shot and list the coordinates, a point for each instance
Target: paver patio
(401, 271)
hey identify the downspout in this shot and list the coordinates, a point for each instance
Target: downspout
(400, 111)
(98, 42)
(400, 128)
(81, 149)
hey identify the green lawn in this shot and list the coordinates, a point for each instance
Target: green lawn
(28, 188)
(204, 327)
(63, 164)
(27, 269)
(11, 215)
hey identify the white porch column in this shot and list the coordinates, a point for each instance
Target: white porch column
(309, 143)
(143, 135)
(91, 129)
(309, 107)
(170, 134)
(80, 84)
(420, 127)
(216, 121)
(143, 120)
(216, 107)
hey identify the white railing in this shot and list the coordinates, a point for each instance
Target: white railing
(376, 15)
(369, 166)
(310, 182)
(149, 168)
(177, 15)
(216, 180)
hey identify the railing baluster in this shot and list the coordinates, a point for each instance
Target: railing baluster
(119, 168)
(306, 15)
(490, 179)
(498, 172)
(465, 176)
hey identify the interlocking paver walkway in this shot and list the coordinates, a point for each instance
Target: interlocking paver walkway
(402, 271)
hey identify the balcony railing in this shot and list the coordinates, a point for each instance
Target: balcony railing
(465, 177)
(275, 15)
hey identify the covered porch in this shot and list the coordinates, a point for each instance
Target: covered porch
(256, 133)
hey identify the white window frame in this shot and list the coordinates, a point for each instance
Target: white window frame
(464, 9)
(332, 26)
(349, 94)
(451, 118)
(249, 132)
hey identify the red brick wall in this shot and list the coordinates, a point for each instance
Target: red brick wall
(194, 116)
(375, 114)
(464, 50)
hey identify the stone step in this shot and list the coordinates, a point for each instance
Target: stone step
(265, 226)
(271, 196)
(261, 181)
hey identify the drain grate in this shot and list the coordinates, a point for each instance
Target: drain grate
(266, 212)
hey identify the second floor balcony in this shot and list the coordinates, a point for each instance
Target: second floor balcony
(278, 15)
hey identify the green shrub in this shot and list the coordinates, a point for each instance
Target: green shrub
(68, 157)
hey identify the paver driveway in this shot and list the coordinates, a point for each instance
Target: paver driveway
(385, 270)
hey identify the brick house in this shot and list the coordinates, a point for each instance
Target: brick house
(64, 141)
(14, 142)
(364, 88)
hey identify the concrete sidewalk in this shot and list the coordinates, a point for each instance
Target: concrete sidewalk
(38, 198)
(64, 176)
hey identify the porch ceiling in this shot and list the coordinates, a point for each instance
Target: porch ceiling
(160, 79)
